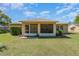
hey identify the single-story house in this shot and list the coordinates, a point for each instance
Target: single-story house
(41, 27)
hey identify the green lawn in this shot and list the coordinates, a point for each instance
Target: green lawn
(40, 46)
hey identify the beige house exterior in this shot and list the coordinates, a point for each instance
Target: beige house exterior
(73, 28)
(41, 27)
(63, 26)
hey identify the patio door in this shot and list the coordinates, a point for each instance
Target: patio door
(33, 28)
(46, 28)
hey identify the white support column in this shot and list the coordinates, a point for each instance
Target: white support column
(29, 28)
(38, 28)
(23, 29)
(67, 28)
(54, 29)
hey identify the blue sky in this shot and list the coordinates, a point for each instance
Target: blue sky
(63, 12)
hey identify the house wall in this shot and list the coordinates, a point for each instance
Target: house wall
(65, 27)
(23, 29)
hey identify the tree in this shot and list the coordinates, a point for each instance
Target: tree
(4, 19)
(77, 19)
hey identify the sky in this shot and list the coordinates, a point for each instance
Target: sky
(62, 12)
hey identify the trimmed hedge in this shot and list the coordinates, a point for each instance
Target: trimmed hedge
(15, 31)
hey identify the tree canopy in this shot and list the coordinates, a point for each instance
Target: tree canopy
(76, 19)
(4, 19)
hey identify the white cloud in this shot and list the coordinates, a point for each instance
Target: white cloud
(33, 4)
(6, 4)
(68, 17)
(77, 10)
(30, 13)
(17, 5)
(37, 15)
(57, 7)
(72, 14)
(44, 13)
(66, 7)
(13, 5)
(3, 8)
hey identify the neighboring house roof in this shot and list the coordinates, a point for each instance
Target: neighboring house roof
(16, 23)
(3, 26)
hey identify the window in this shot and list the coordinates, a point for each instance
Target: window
(27, 28)
(58, 27)
(33, 28)
(46, 28)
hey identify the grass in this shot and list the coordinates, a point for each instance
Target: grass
(40, 46)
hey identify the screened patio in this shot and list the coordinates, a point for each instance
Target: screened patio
(39, 29)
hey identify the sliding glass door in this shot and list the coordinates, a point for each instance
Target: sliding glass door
(46, 28)
(32, 28)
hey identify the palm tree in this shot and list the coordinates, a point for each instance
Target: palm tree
(4, 19)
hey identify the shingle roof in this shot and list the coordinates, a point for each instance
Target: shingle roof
(38, 19)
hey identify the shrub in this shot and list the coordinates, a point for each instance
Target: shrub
(59, 32)
(15, 31)
(3, 31)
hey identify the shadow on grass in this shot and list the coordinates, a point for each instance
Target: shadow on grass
(56, 37)
(2, 48)
(60, 37)
(71, 33)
